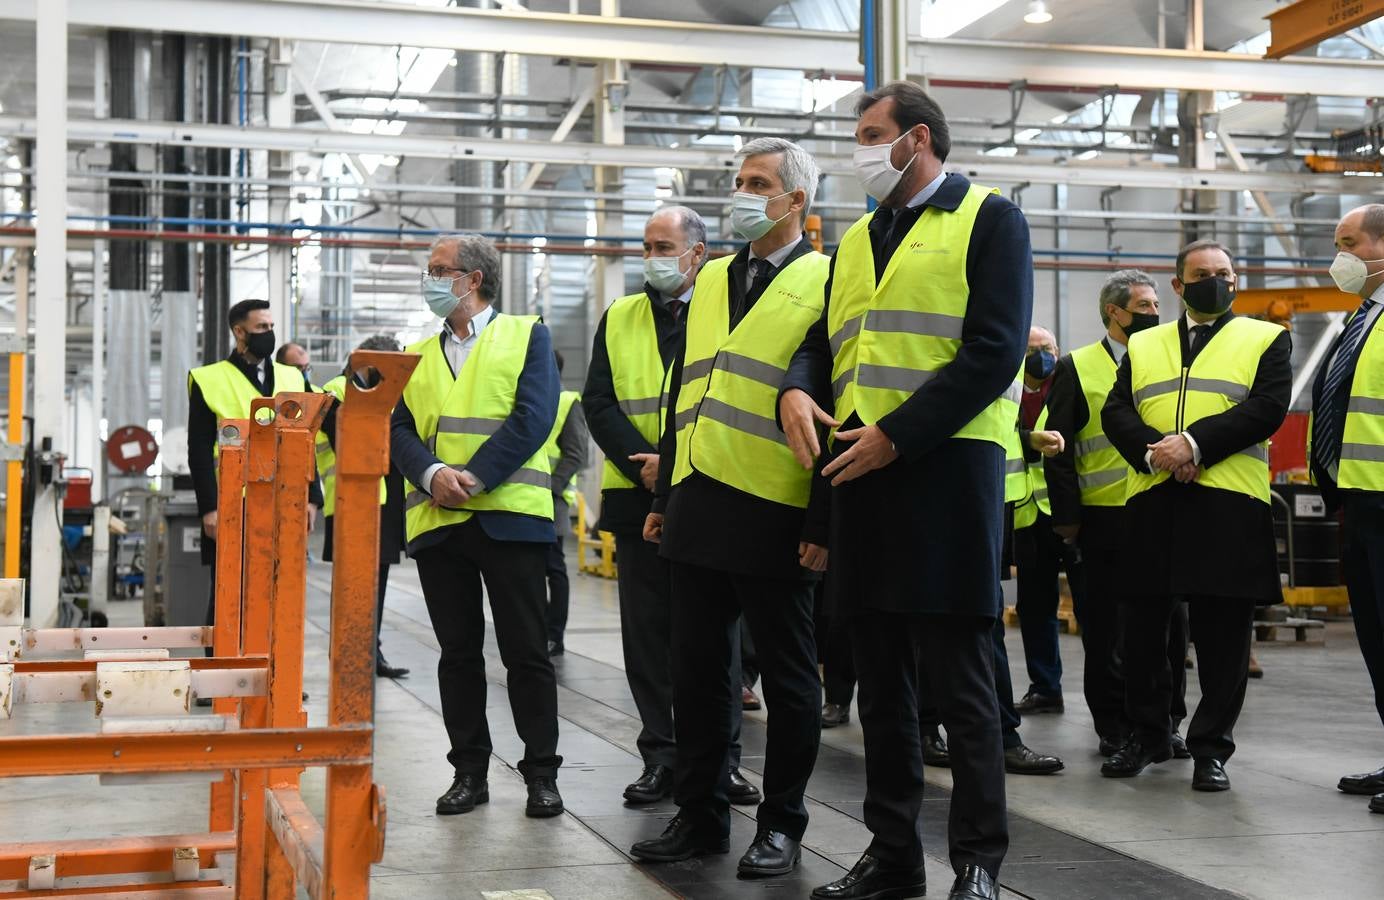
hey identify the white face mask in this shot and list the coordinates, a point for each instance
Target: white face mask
(664, 273)
(1350, 272)
(748, 218)
(875, 170)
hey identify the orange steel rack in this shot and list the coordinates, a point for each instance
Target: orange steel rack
(262, 843)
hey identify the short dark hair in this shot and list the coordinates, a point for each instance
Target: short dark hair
(912, 106)
(1207, 244)
(241, 311)
(386, 342)
(557, 354)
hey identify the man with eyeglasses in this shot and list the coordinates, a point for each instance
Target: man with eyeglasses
(469, 437)
(1194, 404)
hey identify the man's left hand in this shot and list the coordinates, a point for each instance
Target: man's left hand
(1171, 453)
(812, 556)
(1187, 473)
(872, 450)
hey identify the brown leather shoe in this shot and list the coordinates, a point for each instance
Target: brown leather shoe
(748, 700)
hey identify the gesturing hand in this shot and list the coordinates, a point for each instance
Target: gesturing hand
(450, 488)
(648, 472)
(800, 415)
(1048, 443)
(872, 450)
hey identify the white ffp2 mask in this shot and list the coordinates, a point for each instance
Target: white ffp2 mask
(874, 168)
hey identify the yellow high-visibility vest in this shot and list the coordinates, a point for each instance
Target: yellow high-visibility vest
(1035, 495)
(1170, 397)
(455, 416)
(890, 337)
(728, 397)
(1100, 469)
(636, 372)
(1361, 463)
(564, 408)
(228, 393)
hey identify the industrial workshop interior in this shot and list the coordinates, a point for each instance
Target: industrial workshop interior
(622, 449)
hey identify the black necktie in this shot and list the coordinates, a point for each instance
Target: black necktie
(1198, 337)
(675, 307)
(763, 273)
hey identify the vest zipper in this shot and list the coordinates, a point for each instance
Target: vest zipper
(1181, 401)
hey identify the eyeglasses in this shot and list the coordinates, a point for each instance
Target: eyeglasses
(443, 272)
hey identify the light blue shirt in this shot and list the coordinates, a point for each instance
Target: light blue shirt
(926, 193)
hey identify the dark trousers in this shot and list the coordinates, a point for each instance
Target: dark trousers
(958, 655)
(381, 588)
(707, 606)
(1221, 628)
(559, 590)
(646, 630)
(930, 716)
(1364, 570)
(838, 661)
(1039, 555)
(451, 574)
(749, 659)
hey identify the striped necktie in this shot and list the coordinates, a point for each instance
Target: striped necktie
(1328, 424)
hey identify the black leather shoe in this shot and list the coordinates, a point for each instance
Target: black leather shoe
(466, 791)
(676, 844)
(834, 714)
(974, 883)
(651, 787)
(741, 792)
(772, 853)
(1035, 703)
(1180, 750)
(1377, 803)
(544, 800)
(871, 879)
(1109, 746)
(935, 752)
(1209, 775)
(1022, 761)
(1133, 758)
(556, 649)
(1367, 784)
(384, 670)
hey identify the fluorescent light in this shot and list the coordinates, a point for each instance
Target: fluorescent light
(1089, 154)
(1037, 13)
(1027, 134)
(944, 18)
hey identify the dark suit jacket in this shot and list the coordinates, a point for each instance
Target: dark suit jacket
(924, 534)
(1101, 526)
(520, 437)
(1193, 540)
(623, 510)
(714, 525)
(1330, 492)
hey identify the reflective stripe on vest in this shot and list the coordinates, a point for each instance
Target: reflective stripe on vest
(1015, 471)
(1100, 469)
(1035, 497)
(1169, 397)
(890, 337)
(228, 393)
(1361, 466)
(636, 373)
(456, 415)
(730, 381)
(564, 408)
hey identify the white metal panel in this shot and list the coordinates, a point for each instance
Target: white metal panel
(143, 688)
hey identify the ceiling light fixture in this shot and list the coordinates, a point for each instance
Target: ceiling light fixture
(1037, 13)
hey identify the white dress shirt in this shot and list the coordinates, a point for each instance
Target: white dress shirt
(457, 349)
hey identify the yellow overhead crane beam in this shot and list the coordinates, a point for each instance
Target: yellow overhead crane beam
(1310, 22)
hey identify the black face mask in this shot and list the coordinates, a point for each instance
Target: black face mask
(1139, 322)
(1040, 364)
(260, 344)
(1210, 296)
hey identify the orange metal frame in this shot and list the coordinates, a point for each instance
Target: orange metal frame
(256, 810)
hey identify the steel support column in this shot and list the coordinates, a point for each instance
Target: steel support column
(50, 302)
(278, 88)
(610, 88)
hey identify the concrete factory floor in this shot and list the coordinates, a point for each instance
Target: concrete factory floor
(1282, 832)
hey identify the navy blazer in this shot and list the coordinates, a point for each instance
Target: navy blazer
(519, 438)
(923, 534)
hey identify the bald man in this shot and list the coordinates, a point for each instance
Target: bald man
(1039, 554)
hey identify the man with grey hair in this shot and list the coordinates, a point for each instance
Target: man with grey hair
(1086, 484)
(636, 341)
(469, 435)
(740, 537)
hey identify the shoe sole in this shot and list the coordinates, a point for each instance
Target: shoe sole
(681, 857)
(745, 871)
(1210, 788)
(1046, 771)
(458, 811)
(1160, 758)
(891, 893)
(546, 812)
(645, 799)
(1377, 807)
(1358, 791)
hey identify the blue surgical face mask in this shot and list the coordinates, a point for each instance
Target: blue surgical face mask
(437, 293)
(748, 218)
(665, 273)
